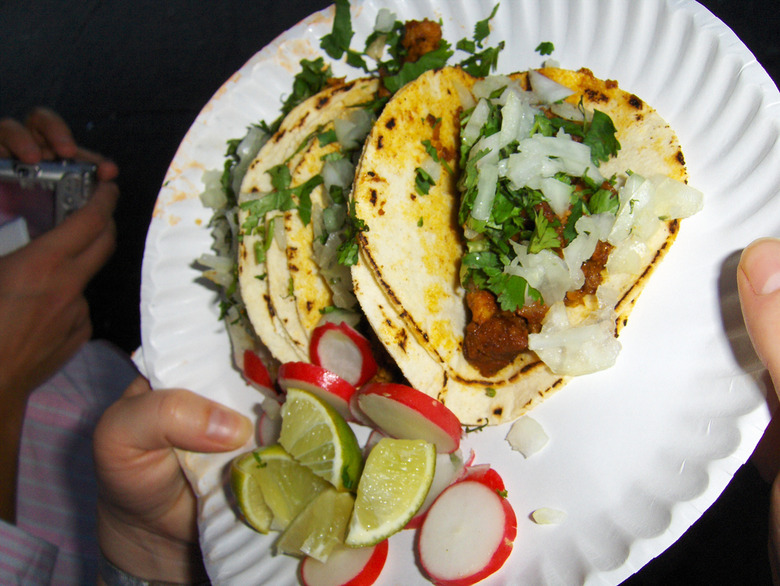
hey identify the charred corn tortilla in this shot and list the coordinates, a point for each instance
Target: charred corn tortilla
(407, 277)
(285, 291)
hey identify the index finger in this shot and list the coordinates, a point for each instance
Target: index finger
(52, 132)
(17, 141)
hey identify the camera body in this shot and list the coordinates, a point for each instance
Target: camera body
(44, 193)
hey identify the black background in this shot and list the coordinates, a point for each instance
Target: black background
(131, 76)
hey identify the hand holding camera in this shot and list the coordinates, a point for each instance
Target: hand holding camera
(43, 311)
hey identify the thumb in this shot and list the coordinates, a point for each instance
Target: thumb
(758, 281)
(174, 418)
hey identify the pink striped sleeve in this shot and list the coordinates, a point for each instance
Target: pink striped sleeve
(24, 558)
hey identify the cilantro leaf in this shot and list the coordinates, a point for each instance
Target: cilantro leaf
(545, 235)
(545, 48)
(412, 70)
(303, 193)
(600, 137)
(423, 181)
(603, 201)
(349, 249)
(510, 290)
(482, 28)
(336, 43)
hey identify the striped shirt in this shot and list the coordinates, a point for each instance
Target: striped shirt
(54, 540)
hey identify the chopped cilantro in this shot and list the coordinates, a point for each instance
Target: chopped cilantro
(348, 251)
(545, 48)
(412, 70)
(327, 137)
(423, 181)
(545, 235)
(336, 43)
(600, 137)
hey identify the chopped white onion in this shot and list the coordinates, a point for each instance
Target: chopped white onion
(575, 350)
(477, 120)
(377, 47)
(213, 196)
(338, 172)
(247, 150)
(675, 199)
(570, 112)
(548, 516)
(517, 118)
(467, 100)
(352, 130)
(385, 20)
(527, 436)
(432, 168)
(627, 258)
(486, 193)
(558, 194)
(548, 90)
(545, 271)
(486, 86)
(336, 275)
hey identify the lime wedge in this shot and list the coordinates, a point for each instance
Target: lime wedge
(320, 527)
(393, 486)
(284, 487)
(249, 497)
(319, 438)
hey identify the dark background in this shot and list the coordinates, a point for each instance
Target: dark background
(131, 76)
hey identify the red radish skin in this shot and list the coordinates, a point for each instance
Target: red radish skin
(340, 348)
(256, 372)
(467, 534)
(486, 475)
(319, 381)
(406, 413)
(346, 567)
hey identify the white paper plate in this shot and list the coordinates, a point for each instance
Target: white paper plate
(636, 453)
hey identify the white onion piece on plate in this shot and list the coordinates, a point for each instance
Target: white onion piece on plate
(548, 516)
(527, 436)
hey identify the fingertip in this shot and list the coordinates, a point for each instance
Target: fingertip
(227, 428)
(759, 266)
(107, 170)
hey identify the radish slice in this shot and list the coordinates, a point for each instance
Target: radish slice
(342, 349)
(257, 374)
(357, 413)
(467, 534)
(449, 468)
(319, 381)
(486, 475)
(346, 566)
(268, 430)
(406, 413)
(371, 441)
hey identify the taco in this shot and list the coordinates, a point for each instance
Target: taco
(292, 217)
(447, 250)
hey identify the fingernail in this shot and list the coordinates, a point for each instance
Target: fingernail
(227, 427)
(761, 265)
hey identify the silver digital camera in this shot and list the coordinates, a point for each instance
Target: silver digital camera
(44, 193)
